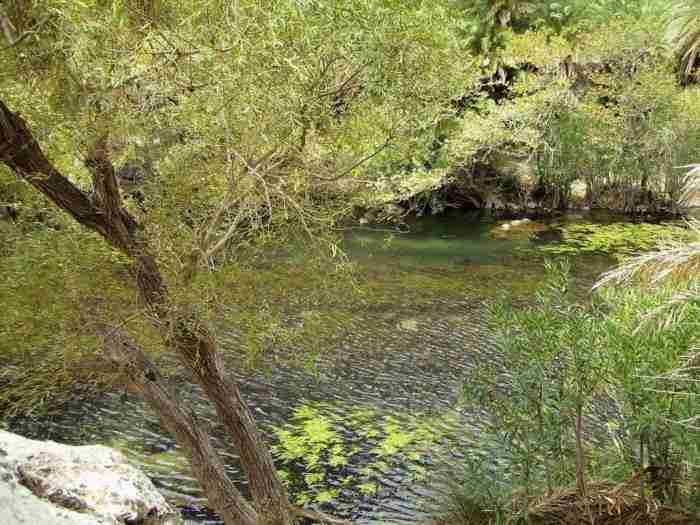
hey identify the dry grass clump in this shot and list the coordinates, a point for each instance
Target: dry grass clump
(606, 503)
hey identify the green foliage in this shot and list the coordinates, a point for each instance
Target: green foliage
(53, 294)
(281, 114)
(552, 366)
(562, 358)
(618, 125)
(645, 356)
(491, 24)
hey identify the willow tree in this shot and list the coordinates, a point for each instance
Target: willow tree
(251, 116)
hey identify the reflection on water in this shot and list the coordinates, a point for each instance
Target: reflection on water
(384, 396)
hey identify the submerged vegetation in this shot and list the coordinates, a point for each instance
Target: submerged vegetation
(360, 448)
(621, 239)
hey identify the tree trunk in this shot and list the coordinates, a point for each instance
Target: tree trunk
(183, 333)
(197, 349)
(270, 498)
(143, 377)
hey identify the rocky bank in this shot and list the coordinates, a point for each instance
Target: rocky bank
(47, 483)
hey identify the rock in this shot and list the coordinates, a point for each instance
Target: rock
(369, 217)
(518, 227)
(43, 482)
(519, 222)
(392, 211)
(134, 172)
(19, 506)
(492, 202)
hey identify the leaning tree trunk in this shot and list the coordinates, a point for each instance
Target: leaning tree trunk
(141, 376)
(183, 333)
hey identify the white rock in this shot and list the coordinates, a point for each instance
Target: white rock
(18, 506)
(94, 482)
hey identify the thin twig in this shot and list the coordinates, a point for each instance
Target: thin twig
(356, 165)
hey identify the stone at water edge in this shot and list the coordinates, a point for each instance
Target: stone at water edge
(18, 506)
(518, 227)
(86, 484)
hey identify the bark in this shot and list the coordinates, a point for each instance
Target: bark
(143, 377)
(21, 153)
(270, 498)
(182, 332)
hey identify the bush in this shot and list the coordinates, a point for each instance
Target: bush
(582, 392)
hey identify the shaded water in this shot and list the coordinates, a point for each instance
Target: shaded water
(386, 389)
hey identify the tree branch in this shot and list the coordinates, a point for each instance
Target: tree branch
(109, 199)
(21, 153)
(356, 164)
(7, 28)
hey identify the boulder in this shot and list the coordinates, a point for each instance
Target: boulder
(49, 483)
(19, 506)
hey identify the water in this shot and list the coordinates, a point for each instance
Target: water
(386, 384)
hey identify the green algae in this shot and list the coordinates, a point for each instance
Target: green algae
(618, 239)
(322, 439)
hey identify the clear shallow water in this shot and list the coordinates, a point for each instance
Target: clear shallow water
(401, 360)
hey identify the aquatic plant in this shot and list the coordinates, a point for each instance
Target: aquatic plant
(620, 239)
(327, 449)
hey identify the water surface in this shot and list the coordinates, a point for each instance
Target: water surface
(385, 389)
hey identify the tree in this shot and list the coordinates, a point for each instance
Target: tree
(248, 123)
(194, 344)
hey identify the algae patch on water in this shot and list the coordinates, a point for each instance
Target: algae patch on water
(620, 239)
(326, 452)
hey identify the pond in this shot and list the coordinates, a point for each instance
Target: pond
(370, 429)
